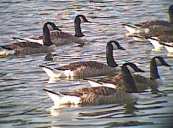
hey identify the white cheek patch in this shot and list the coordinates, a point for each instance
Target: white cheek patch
(63, 99)
(81, 19)
(115, 47)
(158, 62)
(50, 27)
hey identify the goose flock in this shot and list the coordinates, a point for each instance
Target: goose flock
(120, 82)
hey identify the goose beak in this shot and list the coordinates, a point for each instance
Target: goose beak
(140, 70)
(88, 21)
(56, 28)
(121, 48)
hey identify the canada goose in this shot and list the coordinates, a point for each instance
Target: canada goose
(66, 38)
(86, 68)
(152, 28)
(52, 28)
(142, 83)
(99, 95)
(60, 38)
(27, 47)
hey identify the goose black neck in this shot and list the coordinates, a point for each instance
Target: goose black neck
(46, 35)
(171, 14)
(171, 17)
(109, 57)
(154, 74)
(128, 80)
(78, 31)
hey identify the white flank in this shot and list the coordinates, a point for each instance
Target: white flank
(52, 73)
(156, 44)
(139, 39)
(95, 84)
(63, 99)
(40, 41)
(169, 49)
(6, 52)
(131, 30)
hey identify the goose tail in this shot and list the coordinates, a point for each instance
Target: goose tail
(134, 29)
(5, 51)
(28, 40)
(60, 99)
(51, 72)
(131, 28)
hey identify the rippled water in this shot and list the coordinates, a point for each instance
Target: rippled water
(22, 100)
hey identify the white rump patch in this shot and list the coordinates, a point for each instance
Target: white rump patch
(51, 73)
(131, 30)
(68, 73)
(6, 52)
(63, 99)
(39, 41)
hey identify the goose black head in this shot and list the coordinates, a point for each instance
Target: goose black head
(81, 19)
(171, 13)
(128, 78)
(114, 45)
(133, 67)
(160, 61)
(52, 26)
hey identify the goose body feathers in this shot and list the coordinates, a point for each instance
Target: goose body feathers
(94, 95)
(142, 83)
(28, 47)
(151, 28)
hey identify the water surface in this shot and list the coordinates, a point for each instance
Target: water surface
(23, 103)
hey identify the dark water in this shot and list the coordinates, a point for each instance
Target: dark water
(22, 100)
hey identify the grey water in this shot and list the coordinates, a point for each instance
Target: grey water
(24, 104)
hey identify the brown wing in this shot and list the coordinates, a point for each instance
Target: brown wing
(82, 64)
(58, 34)
(166, 38)
(19, 45)
(147, 24)
(105, 91)
(116, 80)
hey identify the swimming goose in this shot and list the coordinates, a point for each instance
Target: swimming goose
(60, 38)
(52, 28)
(152, 28)
(99, 95)
(86, 68)
(142, 83)
(28, 47)
(66, 38)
